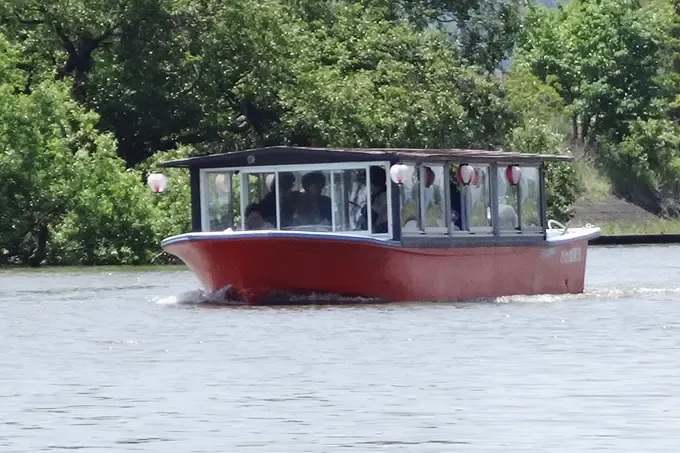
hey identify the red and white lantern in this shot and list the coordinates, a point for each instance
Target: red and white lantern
(513, 174)
(399, 173)
(222, 182)
(157, 182)
(429, 176)
(465, 174)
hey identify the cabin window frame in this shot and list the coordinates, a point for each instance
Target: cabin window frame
(466, 202)
(521, 230)
(507, 232)
(204, 196)
(242, 173)
(424, 229)
(541, 202)
(420, 227)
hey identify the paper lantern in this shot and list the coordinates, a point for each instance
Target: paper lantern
(513, 174)
(429, 176)
(465, 174)
(157, 182)
(398, 173)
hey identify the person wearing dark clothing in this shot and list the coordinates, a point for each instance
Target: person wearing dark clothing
(378, 202)
(288, 200)
(456, 204)
(313, 208)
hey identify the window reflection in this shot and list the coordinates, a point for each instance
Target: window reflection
(223, 201)
(531, 198)
(434, 204)
(507, 202)
(308, 203)
(308, 200)
(410, 201)
(260, 202)
(479, 199)
(349, 199)
(378, 180)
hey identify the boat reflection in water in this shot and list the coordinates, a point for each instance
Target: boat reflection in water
(383, 224)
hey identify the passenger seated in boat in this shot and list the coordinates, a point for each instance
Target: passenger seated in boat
(378, 202)
(254, 219)
(312, 207)
(288, 200)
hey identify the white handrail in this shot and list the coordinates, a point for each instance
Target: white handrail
(560, 226)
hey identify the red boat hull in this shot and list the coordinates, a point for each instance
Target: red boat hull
(259, 265)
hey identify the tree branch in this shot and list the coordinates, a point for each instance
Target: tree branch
(68, 45)
(188, 138)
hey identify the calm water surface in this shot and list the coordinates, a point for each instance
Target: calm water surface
(111, 360)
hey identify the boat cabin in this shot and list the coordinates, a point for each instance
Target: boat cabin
(395, 194)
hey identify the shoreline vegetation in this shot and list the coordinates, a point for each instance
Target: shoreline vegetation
(657, 227)
(93, 96)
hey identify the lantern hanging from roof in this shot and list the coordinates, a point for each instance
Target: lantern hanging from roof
(513, 174)
(398, 173)
(429, 176)
(157, 182)
(222, 182)
(465, 174)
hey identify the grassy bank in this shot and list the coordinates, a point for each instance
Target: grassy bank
(597, 205)
(660, 226)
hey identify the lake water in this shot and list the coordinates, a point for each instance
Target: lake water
(122, 360)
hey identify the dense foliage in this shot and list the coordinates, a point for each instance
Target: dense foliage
(94, 93)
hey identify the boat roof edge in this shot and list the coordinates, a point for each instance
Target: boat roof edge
(291, 155)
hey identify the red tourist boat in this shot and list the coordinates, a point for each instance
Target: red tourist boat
(389, 224)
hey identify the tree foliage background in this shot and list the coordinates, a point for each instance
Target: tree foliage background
(93, 93)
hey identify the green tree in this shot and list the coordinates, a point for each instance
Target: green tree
(366, 82)
(645, 167)
(39, 132)
(602, 57)
(541, 130)
(65, 196)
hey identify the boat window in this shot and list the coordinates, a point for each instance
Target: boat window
(433, 198)
(507, 200)
(318, 199)
(305, 201)
(223, 203)
(530, 193)
(479, 200)
(349, 200)
(410, 201)
(259, 202)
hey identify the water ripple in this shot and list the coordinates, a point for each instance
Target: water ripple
(138, 364)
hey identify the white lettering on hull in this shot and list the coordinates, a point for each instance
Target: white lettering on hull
(548, 252)
(573, 255)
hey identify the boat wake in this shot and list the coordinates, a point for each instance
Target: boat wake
(594, 293)
(229, 297)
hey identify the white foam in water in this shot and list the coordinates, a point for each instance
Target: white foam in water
(592, 293)
(618, 293)
(188, 297)
(226, 296)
